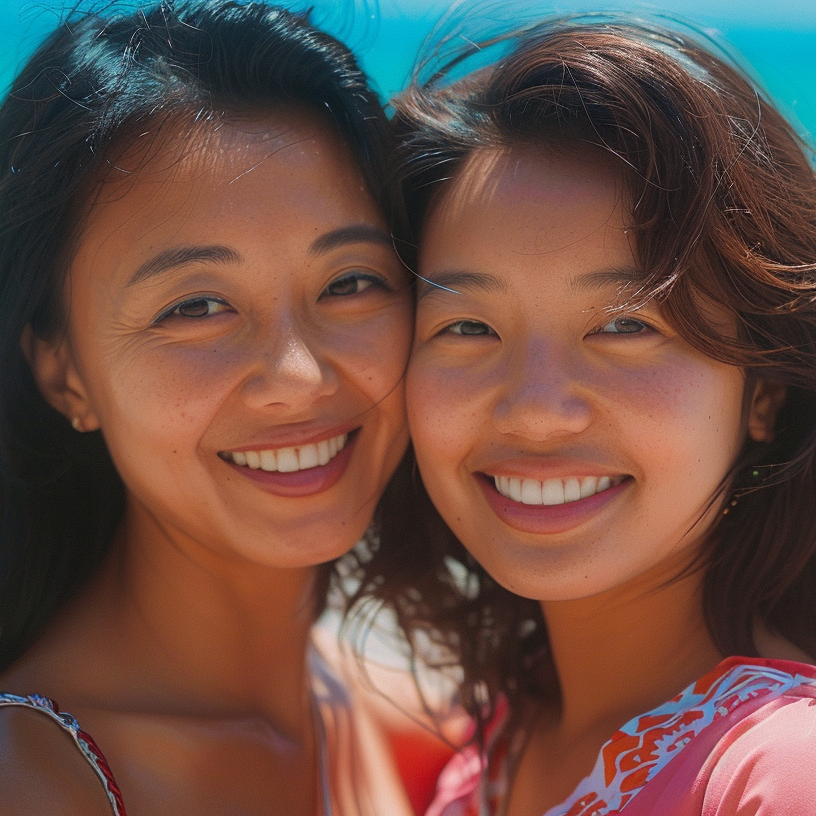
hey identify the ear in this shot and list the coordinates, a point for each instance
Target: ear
(767, 399)
(56, 376)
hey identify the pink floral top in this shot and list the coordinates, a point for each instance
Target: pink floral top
(698, 728)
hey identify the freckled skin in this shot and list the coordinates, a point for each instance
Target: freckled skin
(281, 357)
(190, 642)
(546, 385)
(524, 373)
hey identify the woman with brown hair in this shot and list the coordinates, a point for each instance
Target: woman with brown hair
(612, 397)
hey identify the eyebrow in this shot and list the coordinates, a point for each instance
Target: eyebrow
(343, 236)
(454, 280)
(180, 256)
(603, 278)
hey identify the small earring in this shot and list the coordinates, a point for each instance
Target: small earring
(76, 424)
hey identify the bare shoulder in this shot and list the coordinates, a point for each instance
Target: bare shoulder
(43, 771)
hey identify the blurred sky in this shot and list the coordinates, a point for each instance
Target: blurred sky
(758, 13)
(776, 37)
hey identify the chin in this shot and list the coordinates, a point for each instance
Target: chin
(548, 578)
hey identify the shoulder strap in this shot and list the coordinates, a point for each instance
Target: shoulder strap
(82, 740)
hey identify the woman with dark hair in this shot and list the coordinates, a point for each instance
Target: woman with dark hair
(203, 339)
(612, 399)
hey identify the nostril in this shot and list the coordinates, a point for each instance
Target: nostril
(541, 414)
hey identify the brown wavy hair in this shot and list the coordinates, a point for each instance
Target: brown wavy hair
(724, 210)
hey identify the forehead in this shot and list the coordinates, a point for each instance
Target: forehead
(177, 151)
(280, 179)
(526, 173)
(527, 204)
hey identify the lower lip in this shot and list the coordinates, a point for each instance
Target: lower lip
(301, 482)
(547, 519)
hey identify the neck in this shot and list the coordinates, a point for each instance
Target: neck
(625, 651)
(195, 632)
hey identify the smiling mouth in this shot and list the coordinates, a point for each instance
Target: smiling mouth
(288, 460)
(553, 491)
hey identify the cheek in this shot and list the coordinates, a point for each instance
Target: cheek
(429, 407)
(156, 419)
(374, 355)
(719, 411)
(172, 389)
(442, 421)
(440, 435)
(686, 420)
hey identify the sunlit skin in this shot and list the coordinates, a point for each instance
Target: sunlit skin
(558, 387)
(277, 341)
(236, 294)
(521, 370)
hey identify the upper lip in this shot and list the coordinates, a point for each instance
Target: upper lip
(294, 438)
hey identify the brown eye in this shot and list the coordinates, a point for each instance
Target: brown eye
(470, 328)
(195, 309)
(623, 325)
(353, 284)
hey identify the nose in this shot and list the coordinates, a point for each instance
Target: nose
(542, 395)
(289, 370)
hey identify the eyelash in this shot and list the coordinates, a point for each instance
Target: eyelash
(451, 329)
(174, 311)
(360, 277)
(643, 326)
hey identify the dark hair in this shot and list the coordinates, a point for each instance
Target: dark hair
(95, 82)
(723, 205)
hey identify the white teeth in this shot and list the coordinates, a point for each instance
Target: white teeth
(589, 486)
(289, 460)
(553, 491)
(572, 490)
(530, 491)
(323, 453)
(514, 489)
(308, 457)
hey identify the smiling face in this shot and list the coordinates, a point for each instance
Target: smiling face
(239, 327)
(569, 449)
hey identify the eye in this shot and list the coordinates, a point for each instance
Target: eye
(623, 325)
(470, 328)
(352, 283)
(195, 308)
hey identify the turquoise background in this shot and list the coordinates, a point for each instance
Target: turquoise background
(775, 39)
